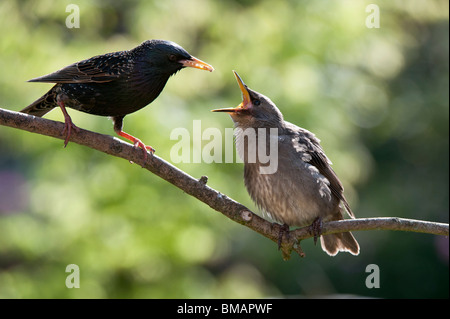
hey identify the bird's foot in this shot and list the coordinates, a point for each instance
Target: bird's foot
(137, 143)
(68, 126)
(316, 228)
(284, 231)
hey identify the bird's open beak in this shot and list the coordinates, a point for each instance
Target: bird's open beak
(246, 102)
(196, 63)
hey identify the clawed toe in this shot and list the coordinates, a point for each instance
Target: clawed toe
(67, 131)
(284, 231)
(138, 144)
(316, 228)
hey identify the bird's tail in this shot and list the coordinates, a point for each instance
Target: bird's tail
(334, 243)
(41, 106)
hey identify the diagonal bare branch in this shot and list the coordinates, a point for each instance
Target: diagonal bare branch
(198, 188)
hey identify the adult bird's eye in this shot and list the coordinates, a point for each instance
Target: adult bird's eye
(256, 102)
(172, 57)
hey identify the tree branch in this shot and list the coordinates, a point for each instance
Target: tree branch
(198, 188)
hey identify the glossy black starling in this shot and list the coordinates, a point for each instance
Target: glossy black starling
(303, 189)
(114, 84)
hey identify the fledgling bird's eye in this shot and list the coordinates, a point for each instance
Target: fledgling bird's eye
(173, 57)
(256, 102)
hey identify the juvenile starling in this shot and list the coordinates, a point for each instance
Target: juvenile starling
(114, 84)
(304, 189)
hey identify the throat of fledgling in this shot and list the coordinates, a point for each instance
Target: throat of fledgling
(258, 147)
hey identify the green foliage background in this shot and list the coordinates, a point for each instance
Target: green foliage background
(377, 98)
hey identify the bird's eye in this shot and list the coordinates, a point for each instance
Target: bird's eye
(256, 102)
(173, 57)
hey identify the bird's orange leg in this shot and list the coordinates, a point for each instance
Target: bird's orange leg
(137, 142)
(68, 124)
(118, 124)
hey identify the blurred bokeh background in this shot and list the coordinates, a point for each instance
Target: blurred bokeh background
(378, 98)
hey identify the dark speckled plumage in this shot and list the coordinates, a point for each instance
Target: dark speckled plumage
(114, 84)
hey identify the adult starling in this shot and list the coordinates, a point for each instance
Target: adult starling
(304, 189)
(114, 84)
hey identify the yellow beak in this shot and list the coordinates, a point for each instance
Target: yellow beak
(197, 63)
(245, 98)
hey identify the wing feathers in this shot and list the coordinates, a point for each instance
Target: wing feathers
(99, 69)
(311, 146)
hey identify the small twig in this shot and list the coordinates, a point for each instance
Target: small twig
(198, 188)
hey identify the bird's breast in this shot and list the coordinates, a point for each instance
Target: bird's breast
(116, 98)
(295, 194)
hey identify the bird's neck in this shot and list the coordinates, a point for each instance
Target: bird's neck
(147, 88)
(258, 146)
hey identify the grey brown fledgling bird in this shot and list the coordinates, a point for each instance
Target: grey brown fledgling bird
(114, 84)
(304, 189)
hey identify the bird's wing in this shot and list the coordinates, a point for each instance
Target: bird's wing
(310, 145)
(98, 69)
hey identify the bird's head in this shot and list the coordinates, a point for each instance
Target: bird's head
(256, 110)
(168, 56)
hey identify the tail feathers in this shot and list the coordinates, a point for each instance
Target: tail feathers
(41, 106)
(334, 243)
